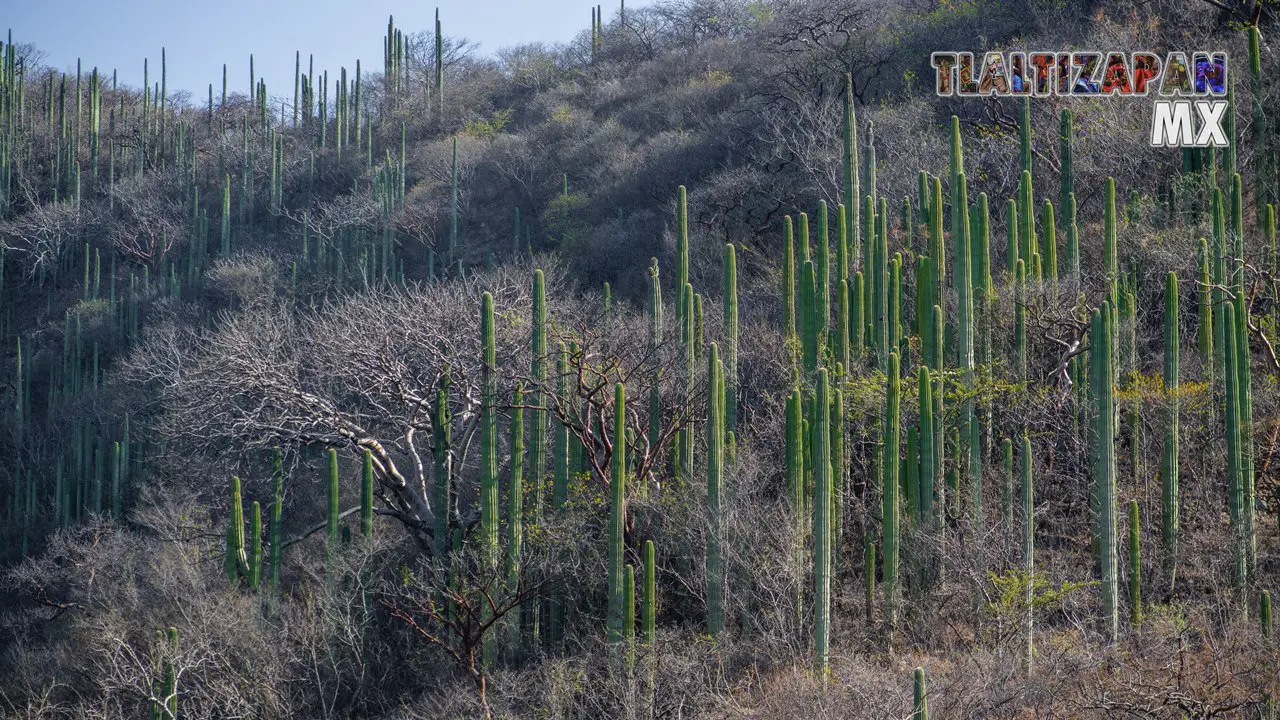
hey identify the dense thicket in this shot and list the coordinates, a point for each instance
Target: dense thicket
(708, 364)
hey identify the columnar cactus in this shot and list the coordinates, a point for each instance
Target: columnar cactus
(1243, 368)
(489, 512)
(857, 317)
(889, 492)
(617, 514)
(715, 469)
(655, 343)
(920, 702)
(1029, 249)
(730, 338)
(649, 603)
(795, 452)
(255, 545)
(1020, 323)
(926, 439)
(1104, 464)
(538, 372)
(810, 322)
(821, 524)
(1169, 467)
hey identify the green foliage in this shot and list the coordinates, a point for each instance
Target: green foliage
(1011, 589)
(488, 129)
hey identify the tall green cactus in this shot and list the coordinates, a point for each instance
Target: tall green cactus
(821, 525)
(1169, 504)
(617, 514)
(1020, 323)
(366, 495)
(1244, 364)
(857, 317)
(255, 545)
(926, 440)
(1029, 250)
(730, 338)
(889, 492)
(489, 512)
(237, 563)
(649, 603)
(538, 372)
(920, 698)
(1104, 464)
(715, 470)
(810, 323)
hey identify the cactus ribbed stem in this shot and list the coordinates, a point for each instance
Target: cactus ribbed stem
(617, 514)
(649, 604)
(489, 510)
(821, 524)
(1104, 465)
(889, 492)
(255, 545)
(715, 463)
(730, 338)
(926, 439)
(920, 698)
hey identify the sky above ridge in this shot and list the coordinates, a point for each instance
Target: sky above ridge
(199, 37)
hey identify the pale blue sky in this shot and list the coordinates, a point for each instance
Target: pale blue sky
(199, 36)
